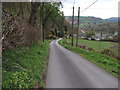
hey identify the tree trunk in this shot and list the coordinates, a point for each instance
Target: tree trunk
(34, 7)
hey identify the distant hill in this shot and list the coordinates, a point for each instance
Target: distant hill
(96, 24)
(112, 19)
(86, 20)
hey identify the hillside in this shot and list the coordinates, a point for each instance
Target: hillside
(90, 20)
(86, 20)
(112, 19)
(108, 27)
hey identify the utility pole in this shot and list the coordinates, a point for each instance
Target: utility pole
(72, 25)
(78, 26)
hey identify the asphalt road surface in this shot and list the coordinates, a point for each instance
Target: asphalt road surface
(69, 70)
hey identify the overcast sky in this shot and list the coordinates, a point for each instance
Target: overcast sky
(102, 8)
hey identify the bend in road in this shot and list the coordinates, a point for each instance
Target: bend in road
(69, 70)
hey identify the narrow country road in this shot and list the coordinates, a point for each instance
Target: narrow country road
(69, 70)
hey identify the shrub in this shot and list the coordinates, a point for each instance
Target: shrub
(108, 52)
(117, 57)
(81, 46)
(90, 49)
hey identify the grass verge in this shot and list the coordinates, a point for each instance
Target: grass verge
(25, 67)
(109, 64)
(96, 45)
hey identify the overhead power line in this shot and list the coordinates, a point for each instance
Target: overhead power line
(89, 6)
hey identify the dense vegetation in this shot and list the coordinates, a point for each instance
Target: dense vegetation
(25, 67)
(110, 29)
(109, 64)
(26, 26)
(28, 22)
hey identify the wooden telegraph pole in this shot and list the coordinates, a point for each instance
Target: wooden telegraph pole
(78, 26)
(72, 25)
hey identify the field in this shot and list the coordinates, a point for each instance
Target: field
(108, 63)
(25, 67)
(97, 45)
